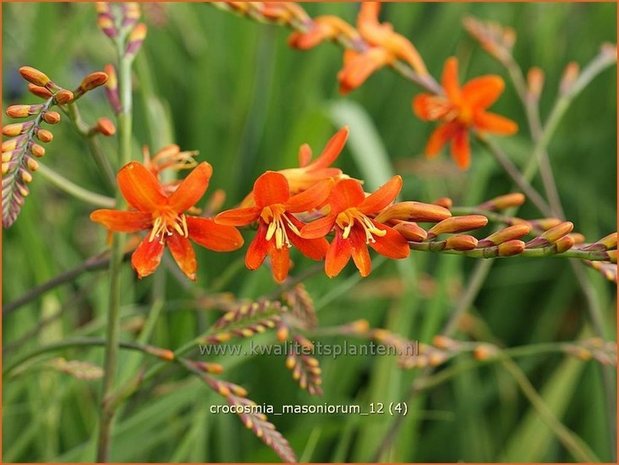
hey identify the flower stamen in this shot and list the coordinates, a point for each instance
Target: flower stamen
(277, 220)
(166, 223)
(346, 221)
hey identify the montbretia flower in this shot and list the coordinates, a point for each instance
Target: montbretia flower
(351, 216)
(461, 109)
(321, 29)
(383, 48)
(278, 228)
(163, 216)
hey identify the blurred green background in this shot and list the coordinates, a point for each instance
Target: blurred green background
(232, 89)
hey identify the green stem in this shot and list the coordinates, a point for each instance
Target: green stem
(74, 190)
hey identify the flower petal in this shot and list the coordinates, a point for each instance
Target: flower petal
(192, 188)
(346, 193)
(140, 187)
(461, 149)
(238, 216)
(147, 257)
(270, 188)
(257, 250)
(332, 149)
(213, 236)
(305, 155)
(280, 262)
(310, 198)
(122, 221)
(439, 138)
(184, 255)
(359, 68)
(338, 255)
(449, 79)
(316, 249)
(491, 122)
(430, 107)
(392, 244)
(318, 228)
(382, 197)
(483, 91)
(360, 253)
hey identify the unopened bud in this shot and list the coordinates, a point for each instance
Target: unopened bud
(21, 111)
(136, 37)
(411, 231)
(509, 248)
(570, 74)
(93, 80)
(44, 135)
(238, 390)
(5, 168)
(359, 326)
(503, 202)
(7, 156)
(15, 129)
(610, 241)
(51, 117)
(32, 164)
(461, 242)
(507, 234)
(214, 368)
(290, 362)
(612, 256)
(458, 224)
(535, 79)
(436, 358)
(34, 76)
(105, 127)
(547, 223)
(444, 202)
(63, 96)
(557, 232)
(565, 243)
(443, 342)
(37, 150)
(9, 145)
(282, 333)
(413, 211)
(26, 176)
(578, 238)
(484, 352)
(39, 91)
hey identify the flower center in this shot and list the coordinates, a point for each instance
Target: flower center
(275, 217)
(165, 223)
(346, 220)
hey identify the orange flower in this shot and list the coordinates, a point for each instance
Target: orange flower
(351, 216)
(321, 29)
(384, 47)
(460, 109)
(278, 228)
(164, 215)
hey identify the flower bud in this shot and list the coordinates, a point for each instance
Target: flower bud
(557, 232)
(21, 111)
(484, 352)
(411, 231)
(15, 129)
(37, 150)
(9, 145)
(509, 248)
(214, 368)
(503, 202)
(44, 135)
(461, 242)
(507, 234)
(610, 241)
(570, 74)
(6, 157)
(105, 127)
(51, 117)
(578, 238)
(136, 37)
(33, 165)
(565, 243)
(5, 168)
(26, 176)
(413, 211)
(63, 96)
(93, 80)
(39, 91)
(34, 76)
(443, 342)
(458, 224)
(535, 81)
(282, 333)
(444, 202)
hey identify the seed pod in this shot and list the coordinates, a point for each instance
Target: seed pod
(39, 91)
(44, 135)
(51, 117)
(413, 211)
(411, 231)
(507, 234)
(461, 242)
(458, 224)
(34, 76)
(509, 248)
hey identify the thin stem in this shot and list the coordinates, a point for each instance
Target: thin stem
(73, 189)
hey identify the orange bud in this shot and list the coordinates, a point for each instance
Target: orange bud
(570, 74)
(458, 224)
(26, 177)
(443, 342)
(612, 256)
(509, 248)
(23, 190)
(214, 368)
(484, 352)
(93, 80)
(444, 202)
(436, 358)
(34, 76)
(33, 165)
(51, 117)
(461, 242)
(6, 157)
(557, 232)
(9, 145)
(139, 33)
(112, 81)
(507, 234)
(411, 231)
(610, 241)
(19, 111)
(360, 326)
(39, 91)
(282, 333)
(535, 79)
(503, 202)
(37, 150)
(105, 127)
(238, 390)
(577, 237)
(12, 130)
(63, 96)
(290, 362)
(44, 135)
(565, 243)
(5, 168)
(413, 211)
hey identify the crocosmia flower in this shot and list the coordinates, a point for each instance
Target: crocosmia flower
(460, 109)
(163, 215)
(352, 219)
(278, 228)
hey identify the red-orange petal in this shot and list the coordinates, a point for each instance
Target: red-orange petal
(311, 198)
(280, 262)
(140, 187)
(305, 155)
(238, 216)
(346, 193)
(439, 137)
(122, 221)
(358, 69)
(338, 255)
(147, 257)
(332, 150)
(360, 253)
(257, 250)
(213, 236)
(461, 149)
(491, 122)
(192, 188)
(318, 228)
(392, 244)
(430, 107)
(382, 197)
(483, 91)
(184, 255)
(270, 188)
(449, 79)
(316, 249)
